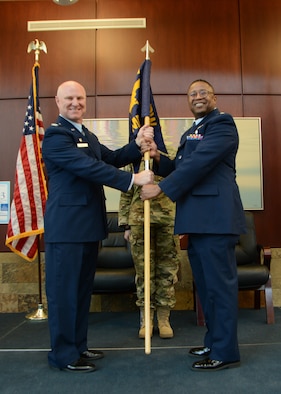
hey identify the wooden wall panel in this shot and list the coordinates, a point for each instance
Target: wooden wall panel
(118, 106)
(70, 55)
(191, 40)
(268, 221)
(167, 106)
(261, 43)
(177, 105)
(112, 106)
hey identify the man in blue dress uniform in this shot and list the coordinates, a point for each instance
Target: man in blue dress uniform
(202, 181)
(75, 221)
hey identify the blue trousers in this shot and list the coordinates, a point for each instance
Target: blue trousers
(70, 270)
(213, 263)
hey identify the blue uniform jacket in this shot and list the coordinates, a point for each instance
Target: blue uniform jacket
(202, 178)
(77, 167)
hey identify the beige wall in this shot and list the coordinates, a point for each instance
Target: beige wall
(19, 289)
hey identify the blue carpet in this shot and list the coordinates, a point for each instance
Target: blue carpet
(127, 369)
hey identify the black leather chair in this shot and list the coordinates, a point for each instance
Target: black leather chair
(115, 268)
(253, 267)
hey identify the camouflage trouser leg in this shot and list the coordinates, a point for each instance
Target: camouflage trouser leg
(164, 264)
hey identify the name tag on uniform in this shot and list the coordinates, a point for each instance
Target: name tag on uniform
(82, 144)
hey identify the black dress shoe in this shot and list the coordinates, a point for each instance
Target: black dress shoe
(208, 365)
(80, 365)
(202, 351)
(91, 355)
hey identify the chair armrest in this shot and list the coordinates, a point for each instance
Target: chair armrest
(265, 255)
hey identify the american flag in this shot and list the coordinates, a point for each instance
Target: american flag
(142, 105)
(30, 192)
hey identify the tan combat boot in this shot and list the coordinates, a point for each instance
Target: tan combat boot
(165, 330)
(142, 323)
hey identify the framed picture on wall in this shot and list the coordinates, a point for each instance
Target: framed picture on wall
(114, 133)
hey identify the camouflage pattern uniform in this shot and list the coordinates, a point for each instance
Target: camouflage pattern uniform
(164, 245)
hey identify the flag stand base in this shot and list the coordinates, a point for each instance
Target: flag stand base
(38, 315)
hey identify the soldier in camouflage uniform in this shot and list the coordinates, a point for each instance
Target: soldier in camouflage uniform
(164, 253)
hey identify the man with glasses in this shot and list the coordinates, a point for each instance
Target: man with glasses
(202, 181)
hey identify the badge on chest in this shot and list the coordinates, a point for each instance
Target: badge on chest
(82, 144)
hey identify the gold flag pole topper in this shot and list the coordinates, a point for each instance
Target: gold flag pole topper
(37, 46)
(147, 48)
(40, 314)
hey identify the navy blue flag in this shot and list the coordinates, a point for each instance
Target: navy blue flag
(142, 105)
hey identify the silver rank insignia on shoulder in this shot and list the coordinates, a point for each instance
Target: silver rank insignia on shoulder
(54, 124)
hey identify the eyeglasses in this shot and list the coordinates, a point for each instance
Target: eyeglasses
(203, 93)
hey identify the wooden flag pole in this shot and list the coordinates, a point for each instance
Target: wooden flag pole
(148, 49)
(147, 262)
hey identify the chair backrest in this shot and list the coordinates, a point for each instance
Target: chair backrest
(246, 250)
(114, 250)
